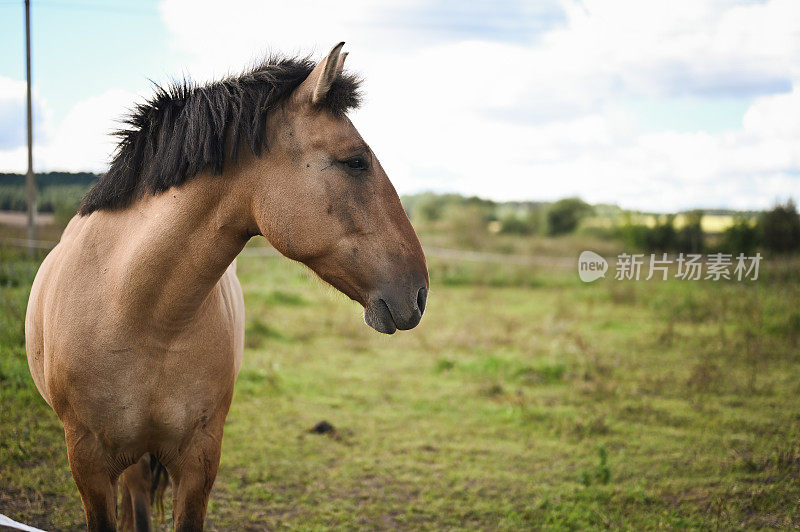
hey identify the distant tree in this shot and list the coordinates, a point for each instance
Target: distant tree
(430, 208)
(662, 236)
(64, 210)
(690, 238)
(634, 235)
(47, 179)
(480, 203)
(56, 190)
(468, 223)
(564, 215)
(780, 228)
(515, 223)
(741, 237)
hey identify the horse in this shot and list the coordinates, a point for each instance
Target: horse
(142, 485)
(135, 323)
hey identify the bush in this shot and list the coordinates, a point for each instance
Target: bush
(780, 228)
(690, 238)
(526, 223)
(65, 210)
(741, 237)
(468, 223)
(564, 215)
(431, 207)
(662, 236)
(55, 190)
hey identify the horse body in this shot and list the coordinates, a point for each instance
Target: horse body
(148, 363)
(135, 324)
(119, 364)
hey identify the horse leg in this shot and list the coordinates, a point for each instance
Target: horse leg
(96, 483)
(136, 482)
(193, 475)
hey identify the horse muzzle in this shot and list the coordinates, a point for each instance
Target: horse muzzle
(402, 309)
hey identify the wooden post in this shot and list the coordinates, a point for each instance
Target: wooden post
(30, 180)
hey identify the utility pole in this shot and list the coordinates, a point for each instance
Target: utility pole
(30, 183)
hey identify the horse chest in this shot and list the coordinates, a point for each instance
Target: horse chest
(133, 387)
(131, 378)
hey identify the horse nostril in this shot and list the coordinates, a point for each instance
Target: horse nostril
(422, 298)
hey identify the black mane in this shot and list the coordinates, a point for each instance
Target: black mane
(182, 129)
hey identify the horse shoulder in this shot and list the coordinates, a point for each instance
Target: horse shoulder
(34, 327)
(62, 280)
(41, 290)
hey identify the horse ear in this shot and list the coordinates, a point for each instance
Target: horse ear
(319, 82)
(340, 64)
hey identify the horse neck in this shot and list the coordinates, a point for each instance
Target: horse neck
(178, 246)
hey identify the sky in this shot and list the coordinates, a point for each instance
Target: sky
(651, 105)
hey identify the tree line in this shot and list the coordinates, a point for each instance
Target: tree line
(56, 191)
(776, 230)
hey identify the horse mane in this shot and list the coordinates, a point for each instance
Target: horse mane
(184, 129)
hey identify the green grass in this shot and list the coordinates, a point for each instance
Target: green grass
(523, 400)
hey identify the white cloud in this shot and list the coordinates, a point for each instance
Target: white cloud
(224, 36)
(12, 111)
(13, 131)
(14, 160)
(82, 141)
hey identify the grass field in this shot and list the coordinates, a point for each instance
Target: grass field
(525, 399)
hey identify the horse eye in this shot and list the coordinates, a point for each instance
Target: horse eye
(356, 163)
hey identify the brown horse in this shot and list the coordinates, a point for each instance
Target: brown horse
(142, 485)
(135, 325)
